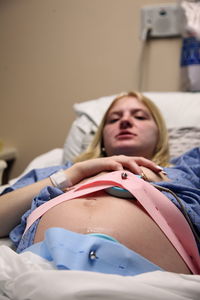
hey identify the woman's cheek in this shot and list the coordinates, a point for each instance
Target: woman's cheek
(109, 133)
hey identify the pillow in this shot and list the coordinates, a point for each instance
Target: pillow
(180, 110)
(79, 137)
(183, 139)
(94, 109)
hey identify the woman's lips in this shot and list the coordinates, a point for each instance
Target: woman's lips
(125, 135)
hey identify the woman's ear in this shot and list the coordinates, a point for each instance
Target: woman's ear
(103, 150)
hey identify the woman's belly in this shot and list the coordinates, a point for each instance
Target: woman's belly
(123, 219)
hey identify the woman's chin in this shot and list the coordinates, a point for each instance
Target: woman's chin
(127, 149)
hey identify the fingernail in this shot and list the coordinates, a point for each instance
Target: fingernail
(160, 168)
(164, 173)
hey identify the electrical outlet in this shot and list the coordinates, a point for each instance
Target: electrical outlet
(163, 20)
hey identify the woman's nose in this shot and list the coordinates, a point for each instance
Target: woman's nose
(126, 122)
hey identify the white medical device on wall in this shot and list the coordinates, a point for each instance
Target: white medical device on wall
(161, 21)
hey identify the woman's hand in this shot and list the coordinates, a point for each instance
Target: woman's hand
(149, 175)
(85, 169)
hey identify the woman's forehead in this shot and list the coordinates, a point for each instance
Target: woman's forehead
(128, 102)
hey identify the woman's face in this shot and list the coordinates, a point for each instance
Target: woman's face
(130, 129)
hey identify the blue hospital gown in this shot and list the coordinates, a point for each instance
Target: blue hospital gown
(184, 181)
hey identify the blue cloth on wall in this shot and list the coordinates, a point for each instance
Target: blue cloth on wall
(190, 63)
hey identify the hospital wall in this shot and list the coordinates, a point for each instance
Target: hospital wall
(54, 53)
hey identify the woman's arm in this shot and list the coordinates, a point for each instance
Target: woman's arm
(14, 204)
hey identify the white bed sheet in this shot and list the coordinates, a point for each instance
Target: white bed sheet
(27, 276)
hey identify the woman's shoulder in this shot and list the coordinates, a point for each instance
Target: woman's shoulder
(188, 157)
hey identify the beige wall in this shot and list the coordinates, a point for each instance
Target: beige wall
(57, 52)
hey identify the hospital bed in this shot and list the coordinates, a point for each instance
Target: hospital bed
(27, 276)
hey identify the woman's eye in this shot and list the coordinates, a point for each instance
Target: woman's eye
(113, 120)
(140, 117)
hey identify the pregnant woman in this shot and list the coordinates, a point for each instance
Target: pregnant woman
(101, 212)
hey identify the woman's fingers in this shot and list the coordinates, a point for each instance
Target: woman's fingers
(95, 166)
(114, 163)
(144, 162)
(134, 164)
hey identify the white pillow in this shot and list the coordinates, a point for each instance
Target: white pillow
(178, 108)
(94, 109)
(182, 139)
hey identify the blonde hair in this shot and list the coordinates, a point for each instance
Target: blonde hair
(161, 154)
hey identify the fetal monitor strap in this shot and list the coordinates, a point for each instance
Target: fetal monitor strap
(182, 207)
